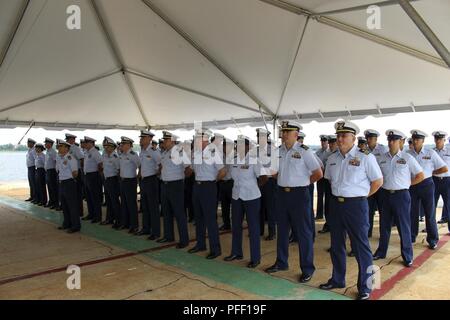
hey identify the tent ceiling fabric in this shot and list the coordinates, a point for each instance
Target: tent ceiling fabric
(73, 77)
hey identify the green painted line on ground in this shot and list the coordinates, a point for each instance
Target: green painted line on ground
(235, 276)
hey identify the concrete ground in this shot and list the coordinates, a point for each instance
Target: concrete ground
(34, 256)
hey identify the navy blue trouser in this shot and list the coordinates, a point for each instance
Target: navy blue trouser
(294, 211)
(423, 194)
(397, 207)
(32, 181)
(320, 210)
(80, 190)
(51, 179)
(41, 190)
(188, 207)
(350, 217)
(93, 183)
(225, 192)
(313, 222)
(69, 204)
(442, 189)
(204, 198)
(268, 207)
(172, 206)
(128, 197)
(112, 194)
(375, 203)
(252, 209)
(151, 222)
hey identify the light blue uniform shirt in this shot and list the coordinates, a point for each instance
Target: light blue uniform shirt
(429, 160)
(65, 165)
(129, 163)
(77, 154)
(210, 165)
(378, 151)
(445, 155)
(111, 165)
(245, 178)
(31, 155)
(39, 160)
(323, 155)
(150, 161)
(172, 170)
(351, 175)
(397, 170)
(295, 166)
(50, 159)
(92, 158)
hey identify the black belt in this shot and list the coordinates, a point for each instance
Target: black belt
(148, 177)
(66, 181)
(395, 191)
(91, 173)
(172, 182)
(112, 177)
(205, 182)
(290, 189)
(348, 199)
(127, 179)
(441, 178)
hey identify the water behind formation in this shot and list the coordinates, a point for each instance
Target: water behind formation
(13, 167)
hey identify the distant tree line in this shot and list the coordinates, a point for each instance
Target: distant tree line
(12, 147)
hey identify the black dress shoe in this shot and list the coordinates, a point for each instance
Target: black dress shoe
(58, 208)
(324, 230)
(163, 240)
(329, 286)
(195, 250)
(270, 238)
(363, 296)
(424, 231)
(122, 228)
(432, 246)
(442, 221)
(181, 246)
(408, 264)
(304, 278)
(95, 221)
(224, 228)
(86, 218)
(29, 199)
(233, 257)
(133, 231)
(275, 268)
(253, 265)
(142, 233)
(62, 228)
(152, 237)
(213, 255)
(377, 257)
(318, 218)
(73, 231)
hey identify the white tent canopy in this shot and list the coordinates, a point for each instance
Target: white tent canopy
(168, 63)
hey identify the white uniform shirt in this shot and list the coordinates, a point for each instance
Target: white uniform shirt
(129, 163)
(39, 160)
(211, 164)
(92, 158)
(50, 159)
(245, 178)
(111, 165)
(428, 159)
(31, 155)
(65, 165)
(296, 166)
(378, 151)
(445, 155)
(77, 154)
(398, 169)
(351, 175)
(172, 168)
(150, 161)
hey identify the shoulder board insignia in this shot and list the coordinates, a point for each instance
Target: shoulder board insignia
(132, 152)
(115, 155)
(334, 151)
(305, 147)
(69, 157)
(366, 152)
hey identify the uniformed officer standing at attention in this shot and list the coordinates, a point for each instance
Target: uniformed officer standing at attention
(298, 169)
(93, 166)
(67, 168)
(246, 198)
(323, 154)
(354, 175)
(267, 185)
(377, 150)
(51, 176)
(111, 167)
(39, 162)
(442, 181)
(31, 155)
(400, 171)
(150, 163)
(226, 185)
(423, 193)
(172, 191)
(209, 169)
(76, 152)
(129, 164)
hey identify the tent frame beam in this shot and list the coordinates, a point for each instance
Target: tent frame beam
(358, 32)
(361, 7)
(13, 33)
(426, 30)
(54, 93)
(205, 54)
(196, 92)
(120, 61)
